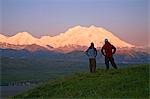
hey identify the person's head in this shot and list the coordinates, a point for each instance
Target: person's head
(92, 45)
(106, 41)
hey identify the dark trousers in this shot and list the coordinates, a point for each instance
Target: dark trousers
(92, 64)
(111, 60)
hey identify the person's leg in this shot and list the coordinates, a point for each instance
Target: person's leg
(107, 62)
(90, 65)
(113, 62)
(94, 65)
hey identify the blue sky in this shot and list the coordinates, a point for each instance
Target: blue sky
(128, 19)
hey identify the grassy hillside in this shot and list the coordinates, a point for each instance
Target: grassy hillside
(17, 70)
(131, 82)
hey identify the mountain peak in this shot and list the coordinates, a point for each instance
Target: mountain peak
(83, 27)
(83, 36)
(2, 36)
(92, 26)
(25, 34)
(78, 27)
(22, 38)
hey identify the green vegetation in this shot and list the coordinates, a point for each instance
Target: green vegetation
(131, 82)
(16, 70)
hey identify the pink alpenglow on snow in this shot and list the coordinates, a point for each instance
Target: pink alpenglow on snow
(76, 36)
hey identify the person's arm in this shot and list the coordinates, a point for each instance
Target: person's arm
(86, 52)
(95, 52)
(102, 51)
(114, 49)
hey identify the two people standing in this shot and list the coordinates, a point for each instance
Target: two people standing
(107, 50)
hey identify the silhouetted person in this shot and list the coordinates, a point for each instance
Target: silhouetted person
(108, 50)
(91, 52)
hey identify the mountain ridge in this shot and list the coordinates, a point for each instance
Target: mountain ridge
(76, 36)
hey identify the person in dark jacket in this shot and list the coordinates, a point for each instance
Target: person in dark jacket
(108, 50)
(91, 52)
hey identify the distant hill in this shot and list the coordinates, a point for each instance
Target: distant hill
(131, 82)
(121, 56)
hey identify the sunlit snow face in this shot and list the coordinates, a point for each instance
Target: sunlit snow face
(76, 36)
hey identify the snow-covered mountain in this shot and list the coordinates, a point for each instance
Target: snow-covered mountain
(22, 38)
(74, 37)
(3, 38)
